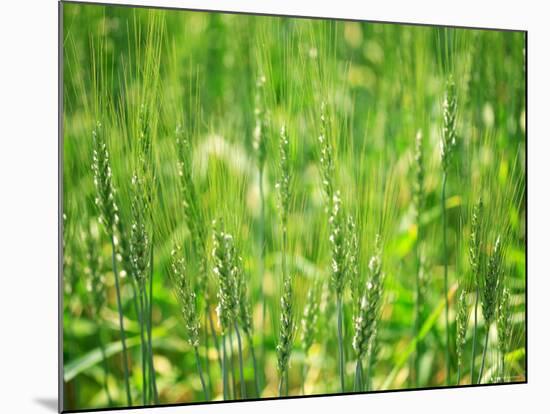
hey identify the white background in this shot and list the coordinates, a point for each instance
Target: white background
(28, 204)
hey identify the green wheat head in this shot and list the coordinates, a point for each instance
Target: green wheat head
(144, 139)
(260, 129)
(191, 208)
(461, 325)
(283, 185)
(225, 271)
(140, 241)
(145, 168)
(185, 295)
(474, 250)
(244, 311)
(96, 281)
(366, 320)
(327, 163)
(448, 140)
(310, 317)
(418, 191)
(105, 190)
(337, 241)
(352, 262)
(491, 282)
(504, 318)
(286, 326)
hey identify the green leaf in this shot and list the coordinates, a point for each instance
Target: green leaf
(88, 360)
(426, 327)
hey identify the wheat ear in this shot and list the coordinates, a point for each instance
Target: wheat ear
(448, 142)
(105, 201)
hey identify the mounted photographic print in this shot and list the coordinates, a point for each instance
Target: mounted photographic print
(258, 207)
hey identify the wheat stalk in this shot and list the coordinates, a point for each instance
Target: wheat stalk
(108, 210)
(352, 263)
(309, 324)
(337, 229)
(142, 214)
(447, 143)
(194, 218)
(139, 260)
(327, 163)
(259, 139)
(260, 129)
(96, 285)
(504, 327)
(227, 273)
(338, 263)
(187, 300)
(286, 335)
(450, 109)
(310, 317)
(244, 316)
(461, 327)
(475, 258)
(226, 302)
(283, 185)
(489, 294)
(105, 191)
(365, 320)
(140, 242)
(286, 327)
(418, 200)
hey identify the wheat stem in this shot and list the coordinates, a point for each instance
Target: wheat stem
(502, 368)
(152, 374)
(143, 321)
(259, 143)
(286, 381)
(492, 283)
(121, 324)
(417, 318)
(232, 367)
(261, 267)
(474, 339)
(286, 334)
(483, 357)
(224, 370)
(368, 378)
(358, 375)
(340, 343)
(419, 205)
(150, 325)
(206, 348)
(199, 369)
(447, 144)
(255, 366)
(105, 201)
(214, 335)
(283, 383)
(241, 369)
(503, 325)
(139, 313)
(445, 280)
(475, 255)
(461, 329)
(281, 380)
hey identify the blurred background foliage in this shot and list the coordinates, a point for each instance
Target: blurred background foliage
(382, 84)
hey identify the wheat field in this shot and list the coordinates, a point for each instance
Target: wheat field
(261, 206)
